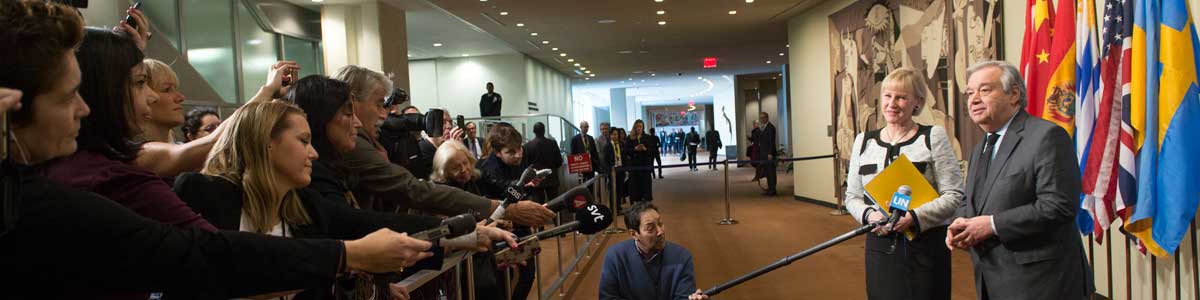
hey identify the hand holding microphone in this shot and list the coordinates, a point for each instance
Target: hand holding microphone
(524, 212)
(898, 207)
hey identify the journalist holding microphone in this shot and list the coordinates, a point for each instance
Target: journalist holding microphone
(897, 268)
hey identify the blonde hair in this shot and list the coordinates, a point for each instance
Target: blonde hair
(910, 80)
(449, 152)
(158, 72)
(363, 81)
(240, 155)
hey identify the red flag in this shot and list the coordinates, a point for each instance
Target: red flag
(1035, 52)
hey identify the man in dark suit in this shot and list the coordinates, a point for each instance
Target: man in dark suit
(691, 141)
(543, 153)
(765, 146)
(615, 155)
(472, 141)
(655, 146)
(490, 103)
(584, 143)
(712, 142)
(1019, 217)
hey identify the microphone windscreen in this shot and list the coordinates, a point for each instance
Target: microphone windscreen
(593, 218)
(904, 189)
(572, 200)
(460, 224)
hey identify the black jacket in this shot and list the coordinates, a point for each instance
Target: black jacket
(765, 141)
(497, 176)
(639, 158)
(220, 201)
(422, 165)
(63, 237)
(543, 153)
(610, 160)
(712, 139)
(489, 106)
(592, 150)
(692, 141)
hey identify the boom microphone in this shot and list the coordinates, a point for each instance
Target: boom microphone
(591, 219)
(899, 205)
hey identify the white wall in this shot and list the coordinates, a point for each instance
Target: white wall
(456, 83)
(550, 89)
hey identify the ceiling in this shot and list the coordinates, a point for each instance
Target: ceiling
(621, 39)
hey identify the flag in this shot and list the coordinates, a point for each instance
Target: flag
(1058, 98)
(1165, 114)
(1035, 52)
(1087, 74)
(1101, 161)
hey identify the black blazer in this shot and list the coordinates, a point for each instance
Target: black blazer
(712, 139)
(610, 158)
(765, 142)
(639, 158)
(543, 153)
(489, 106)
(63, 233)
(577, 148)
(220, 202)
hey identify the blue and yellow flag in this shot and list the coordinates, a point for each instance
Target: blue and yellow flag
(1165, 114)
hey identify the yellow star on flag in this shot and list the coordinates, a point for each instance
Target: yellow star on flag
(1043, 57)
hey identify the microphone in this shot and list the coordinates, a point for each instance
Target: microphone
(591, 219)
(572, 200)
(899, 204)
(516, 190)
(450, 228)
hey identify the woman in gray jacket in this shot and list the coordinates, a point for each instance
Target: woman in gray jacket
(898, 268)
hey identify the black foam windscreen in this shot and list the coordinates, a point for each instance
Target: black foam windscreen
(460, 224)
(593, 218)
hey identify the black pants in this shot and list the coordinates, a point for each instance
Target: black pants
(768, 169)
(691, 152)
(619, 194)
(658, 159)
(712, 159)
(917, 269)
(639, 186)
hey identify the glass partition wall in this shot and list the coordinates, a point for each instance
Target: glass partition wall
(229, 44)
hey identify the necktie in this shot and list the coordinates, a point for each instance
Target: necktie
(985, 161)
(617, 146)
(585, 143)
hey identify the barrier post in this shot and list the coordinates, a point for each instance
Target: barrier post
(727, 220)
(470, 277)
(612, 202)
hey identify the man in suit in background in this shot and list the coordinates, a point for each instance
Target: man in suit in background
(584, 143)
(656, 145)
(602, 143)
(543, 153)
(765, 145)
(691, 141)
(1019, 217)
(712, 143)
(472, 141)
(490, 103)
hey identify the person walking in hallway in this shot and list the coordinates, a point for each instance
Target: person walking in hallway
(641, 152)
(692, 141)
(923, 261)
(490, 103)
(615, 157)
(543, 153)
(1019, 217)
(752, 150)
(712, 141)
(584, 143)
(767, 151)
(656, 144)
(663, 142)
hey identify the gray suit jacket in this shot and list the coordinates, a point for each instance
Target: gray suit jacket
(1032, 192)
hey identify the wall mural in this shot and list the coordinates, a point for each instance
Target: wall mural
(871, 38)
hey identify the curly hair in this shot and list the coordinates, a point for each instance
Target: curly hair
(38, 34)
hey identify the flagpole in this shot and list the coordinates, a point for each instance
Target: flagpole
(1195, 270)
(1108, 237)
(1153, 277)
(1128, 272)
(1178, 286)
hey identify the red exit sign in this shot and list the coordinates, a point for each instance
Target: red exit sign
(710, 62)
